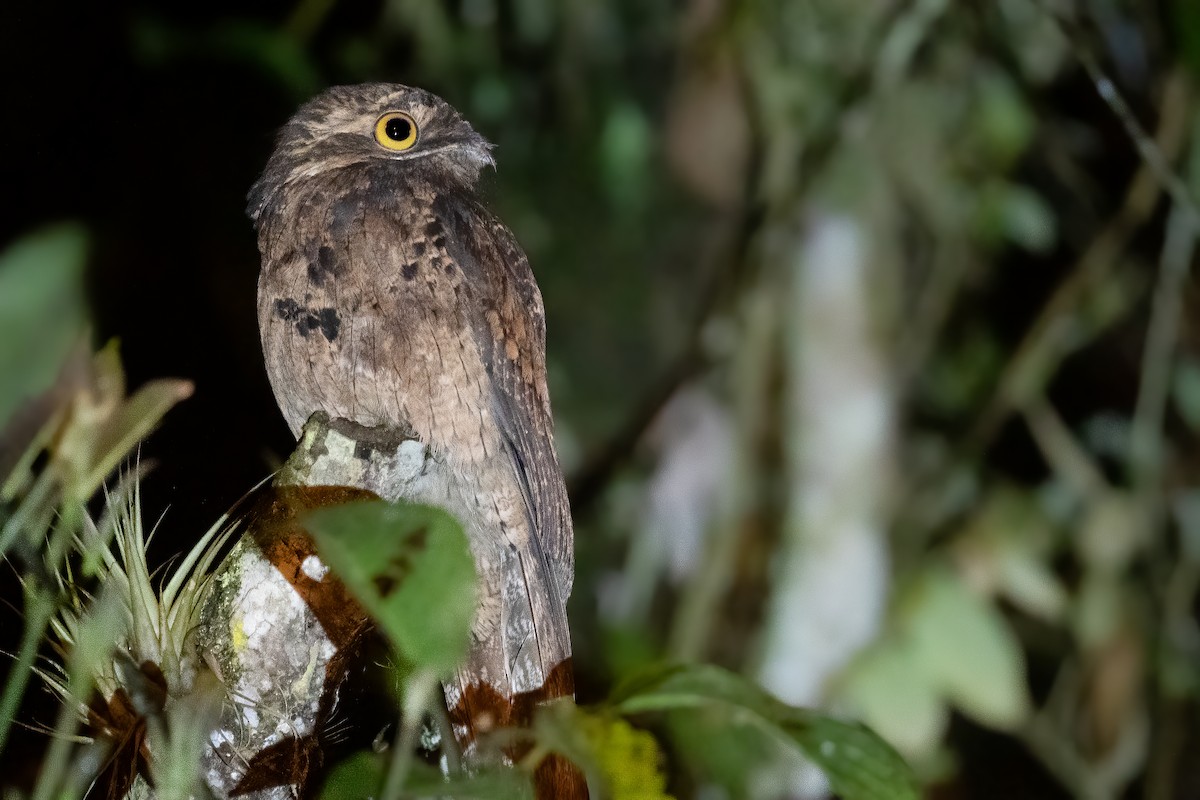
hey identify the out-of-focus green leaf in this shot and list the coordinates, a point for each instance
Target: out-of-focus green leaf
(191, 719)
(41, 311)
(1006, 547)
(965, 371)
(722, 752)
(1002, 118)
(362, 775)
(625, 144)
(629, 759)
(411, 568)
(106, 426)
(859, 765)
(610, 751)
(1037, 41)
(273, 51)
(1028, 581)
(964, 644)
(491, 98)
(96, 637)
(889, 691)
(1015, 213)
(535, 20)
(1186, 16)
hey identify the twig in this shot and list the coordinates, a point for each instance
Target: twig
(417, 698)
(1145, 456)
(736, 272)
(1063, 452)
(1041, 345)
(1152, 155)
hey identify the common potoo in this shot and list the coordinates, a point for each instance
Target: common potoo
(391, 297)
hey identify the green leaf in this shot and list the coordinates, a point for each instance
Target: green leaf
(272, 51)
(626, 143)
(1186, 18)
(610, 752)
(191, 719)
(964, 644)
(1002, 118)
(41, 311)
(628, 758)
(411, 568)
(362, 775)
(730, 756)
(108, 426)
(1009, 211)
(892, 694)
(859, 765)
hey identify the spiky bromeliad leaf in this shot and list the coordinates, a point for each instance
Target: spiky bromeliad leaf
(859, 765)
(411, 568)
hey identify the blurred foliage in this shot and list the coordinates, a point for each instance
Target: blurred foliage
(41, 276)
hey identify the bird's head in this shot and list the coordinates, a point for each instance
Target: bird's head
(387, 124)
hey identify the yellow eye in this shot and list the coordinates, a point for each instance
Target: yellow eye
(396, 131)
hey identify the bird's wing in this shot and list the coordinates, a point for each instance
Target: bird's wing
(510, 330)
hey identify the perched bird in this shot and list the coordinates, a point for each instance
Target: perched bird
(392, 298)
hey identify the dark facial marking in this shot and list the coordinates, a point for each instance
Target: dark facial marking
(409, 271)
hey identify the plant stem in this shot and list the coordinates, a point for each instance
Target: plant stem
(416, 700)
(39, 608)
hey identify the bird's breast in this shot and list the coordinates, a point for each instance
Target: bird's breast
(372, 322)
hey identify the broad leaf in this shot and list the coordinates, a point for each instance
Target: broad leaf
(608, 750)
(411, 568)
(888, 690)
(41, 311)
(964, 644)
(859, 765)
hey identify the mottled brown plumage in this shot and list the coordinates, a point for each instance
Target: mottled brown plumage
(391, 297)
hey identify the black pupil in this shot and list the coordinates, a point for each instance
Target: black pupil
(398, 129)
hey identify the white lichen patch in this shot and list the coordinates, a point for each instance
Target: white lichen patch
(273, 659)
(314, 568)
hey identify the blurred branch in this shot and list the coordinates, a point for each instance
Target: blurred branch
(736, 269)
(1087, 780)
(591, 478)
(1145, 455)
(1062, 450)
(1042, 346)
(1152, 155)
